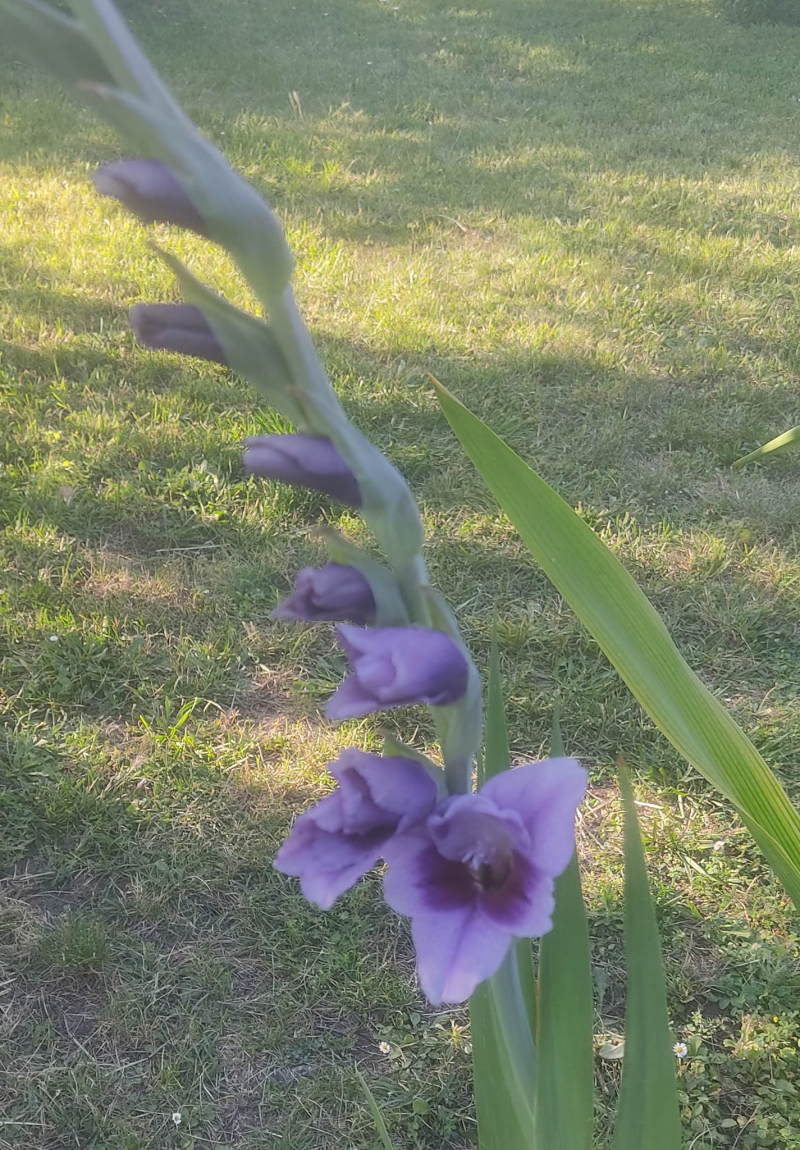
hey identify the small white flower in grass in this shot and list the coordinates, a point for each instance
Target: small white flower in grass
(719, 845)
(177, 1117)
(385, 1048)
(680, 1050)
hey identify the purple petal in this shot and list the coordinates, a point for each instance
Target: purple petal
(177, 327)
(420, 881)
(456, 952)
(472, 827)
(151, 191)
(324, 887)
(331, 846)
(398, 786)
(350, 701)
(545, 795)
(397, 666)
(327, 863)
(523, 906)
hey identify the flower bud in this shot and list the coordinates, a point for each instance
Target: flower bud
(304, 461)
(151, 191)
(179, 327)
(397, 666)
(334, 592)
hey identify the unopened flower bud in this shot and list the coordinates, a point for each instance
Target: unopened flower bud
(397, 666)
(151, 191)
(304, 461)
(333, 592)
(179, 327)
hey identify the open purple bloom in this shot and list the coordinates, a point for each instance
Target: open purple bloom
(479, 872)
(179, 327)
(334, 591)
(151, 191)
(305, 461)
(332, 845)
(396, 666)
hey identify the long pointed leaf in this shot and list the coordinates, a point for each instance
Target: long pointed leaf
(647, 1114)
(786, 439)
(614, 609)
(375, 1111)
(501, 1009)
(564, 1031)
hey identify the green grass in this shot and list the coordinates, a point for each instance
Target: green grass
(582, 218)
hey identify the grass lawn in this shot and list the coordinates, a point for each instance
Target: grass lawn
(582, 216)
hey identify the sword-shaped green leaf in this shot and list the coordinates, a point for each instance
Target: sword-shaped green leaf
(785, 439)
(614, 609)
(564, 1029)
(648, 1117)
(501, 1009)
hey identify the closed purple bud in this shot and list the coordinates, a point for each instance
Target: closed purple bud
(333, 592)
(305, 461)
(179, 327)
(397, 666)
(151, 191)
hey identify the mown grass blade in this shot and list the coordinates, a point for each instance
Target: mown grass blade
(786, 439)
(375, 1111)
(564, 1016)
(615, 610)
(502, 1008)
(647, 1114)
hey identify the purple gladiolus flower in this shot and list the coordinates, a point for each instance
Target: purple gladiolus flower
(332, 845)
(179, 327)
(305, 461)
(151, 191)
(396, 666)
(479, 872)
(334, 591)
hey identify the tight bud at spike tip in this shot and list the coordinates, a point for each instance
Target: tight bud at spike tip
(178, 327)
(304, 461)
(151, 191)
